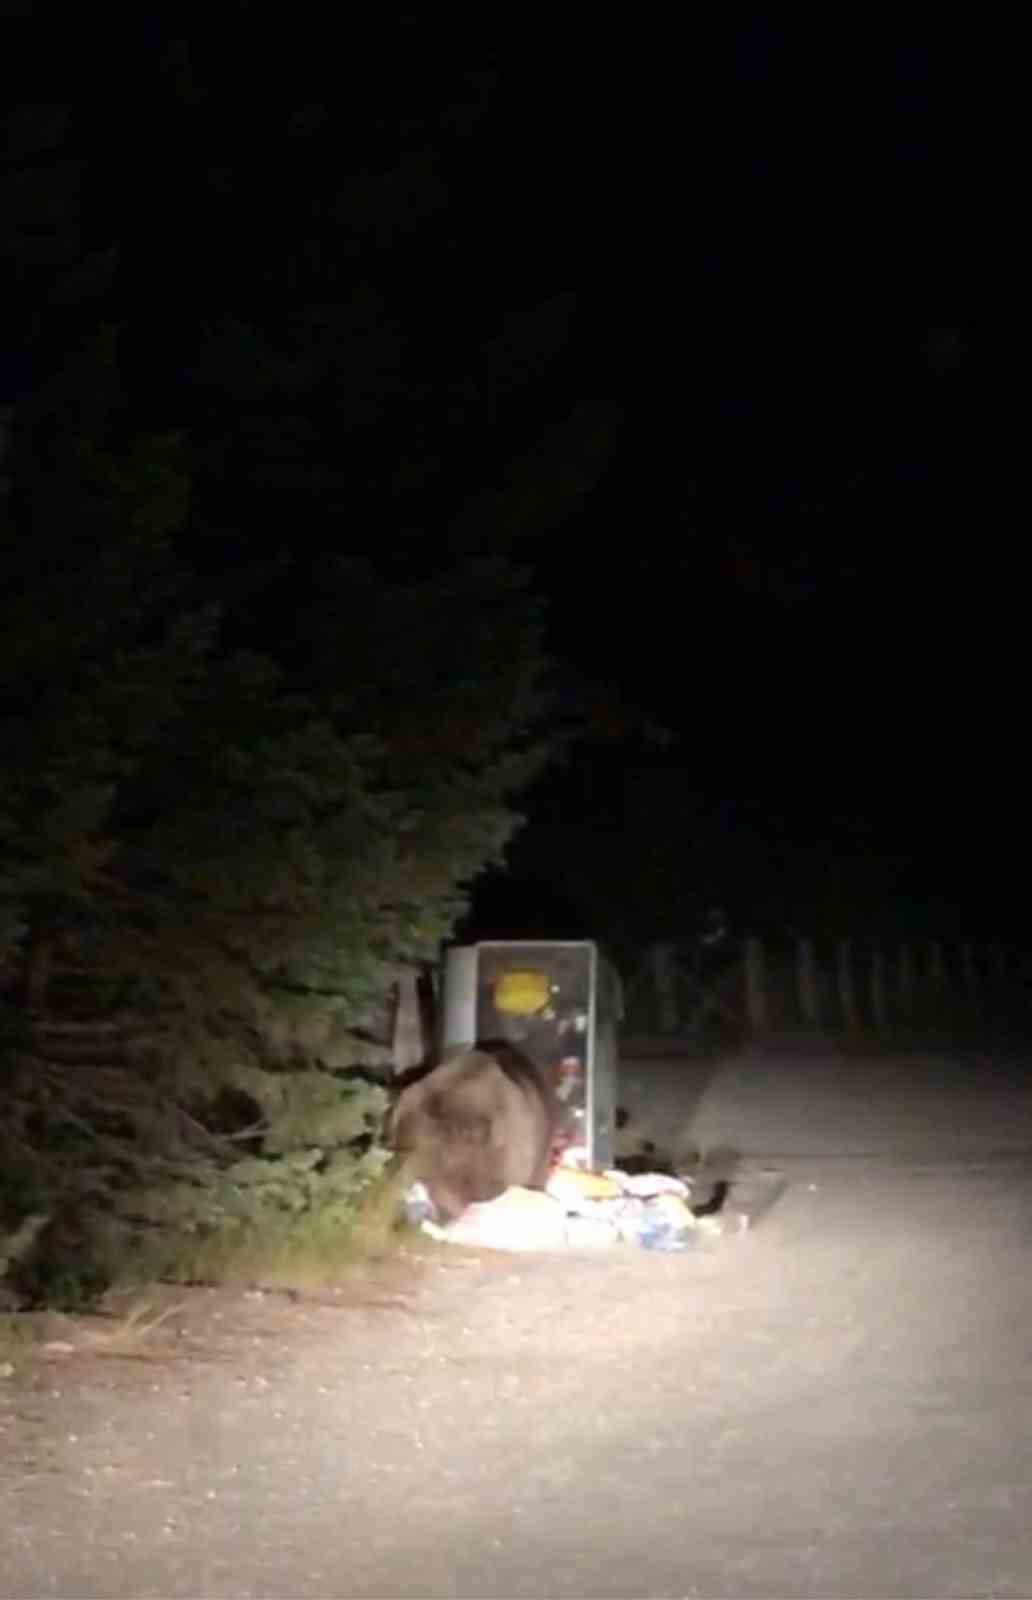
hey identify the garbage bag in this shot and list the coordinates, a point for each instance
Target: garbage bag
(662, 1223)
(646, 1184)
(591, 1233)
(519, 1219)
(572, 1186)
(418, 1205)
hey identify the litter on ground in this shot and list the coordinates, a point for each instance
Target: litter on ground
(577, 1210)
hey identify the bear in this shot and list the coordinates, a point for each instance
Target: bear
(474, 1126)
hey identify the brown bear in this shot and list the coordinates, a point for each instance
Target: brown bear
(474, 1126)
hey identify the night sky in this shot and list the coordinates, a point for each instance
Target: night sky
(753, 257)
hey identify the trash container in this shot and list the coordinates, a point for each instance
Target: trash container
(559, 1002)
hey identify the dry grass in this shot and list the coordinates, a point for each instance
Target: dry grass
(303, 1255)
(143, 1319)
(28, 1337)
(20, 1336)
(128, 1334)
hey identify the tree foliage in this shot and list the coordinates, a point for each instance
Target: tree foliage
(215, 860)
(271, 670)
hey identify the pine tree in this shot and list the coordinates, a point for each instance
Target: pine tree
(271, 674)
(215, 863)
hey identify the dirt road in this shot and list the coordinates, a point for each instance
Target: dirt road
(838, 1403)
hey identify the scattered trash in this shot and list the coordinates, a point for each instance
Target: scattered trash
(647, 1184)
(580, 1209)
(659, 1234)
(591, 1233)
(418, 1205)
(520, 1219)
(570, 1185)
(664, 1222)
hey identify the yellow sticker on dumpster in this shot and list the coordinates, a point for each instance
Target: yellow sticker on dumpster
(521, 994)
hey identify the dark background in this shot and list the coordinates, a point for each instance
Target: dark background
(711, 301)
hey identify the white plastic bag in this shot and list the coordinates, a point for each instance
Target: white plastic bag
(519, 1219)
(646, 1184)
(591, 1233)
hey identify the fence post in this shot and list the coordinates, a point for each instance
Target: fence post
(906, 982)
(409, 1045)
(846, 986)
(809, 1003)
(998, 965)
(971, 978)
(664, 979)
(878, 1008)
(37, 977)
(936, 995)
(755, 984)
